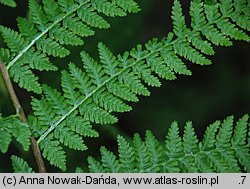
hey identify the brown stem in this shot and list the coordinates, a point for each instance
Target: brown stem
(20, 112)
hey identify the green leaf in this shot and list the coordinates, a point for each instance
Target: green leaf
(20, 166)
(50, 28)
(5, 139)
(178, 19)
(68, 138)
(90, 17)
(109, 161)
(10, 3)
(126, 155)
(190, 141)
(107, 59)
(26, 78)
(217, 152)
(13, 39)
(95, 114)
(155, 151)
(54, 153)
(141, 154)
(53, 48)
(128, 5)
(94, 166)
(107, 8)
(11, 126)
(97, 89)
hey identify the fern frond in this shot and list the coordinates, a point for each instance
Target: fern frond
(10, 3)
(107, 8)
(51, 26)
(240, 133)
(87, 90)
(79, 170)
(109, 161)
(13, 127)
(126, 155)
(155, 151)
(141, 154)
(69, 138)
(25, 78)
(82, 127)
(127, 5)
(20, 166)
(95, 166)
(190, 146)
(54, 152)
(174, 148)
(185, 154)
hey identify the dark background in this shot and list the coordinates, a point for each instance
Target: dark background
(211, 93)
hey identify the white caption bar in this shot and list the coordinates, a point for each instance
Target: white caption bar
(155, 180)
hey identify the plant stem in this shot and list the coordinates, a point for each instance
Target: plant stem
(21, 114)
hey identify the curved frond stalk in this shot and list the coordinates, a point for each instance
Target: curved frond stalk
(93, 92)
(22, 117)
(50, 27)
(228, 151)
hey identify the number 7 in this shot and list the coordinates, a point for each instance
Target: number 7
(243, 179)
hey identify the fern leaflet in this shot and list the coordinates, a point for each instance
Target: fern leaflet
(10, 3)
(20, 166)
(13, 127)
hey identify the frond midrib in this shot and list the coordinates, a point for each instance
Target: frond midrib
(53, 126)
(20, 54)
